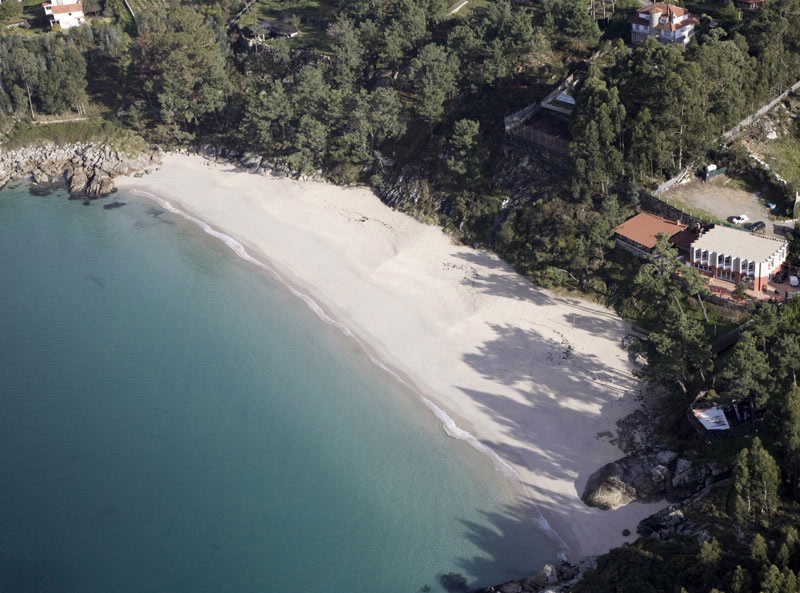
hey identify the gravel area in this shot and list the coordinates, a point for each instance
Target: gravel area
(720, 200)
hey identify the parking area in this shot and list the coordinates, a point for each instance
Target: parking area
(720, 198)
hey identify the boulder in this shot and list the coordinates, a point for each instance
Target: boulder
(607, 488)
(40, 176)
(632, 478)
(100, 185)
(588, 564)
(666, 457)
(78, 181)
(567, 572)
(546, 576)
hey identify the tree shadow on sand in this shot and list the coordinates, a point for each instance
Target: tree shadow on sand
(493, 276)
(552, 404)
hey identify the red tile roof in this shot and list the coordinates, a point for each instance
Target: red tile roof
(664, 8)
(644, 227)
(65, 8)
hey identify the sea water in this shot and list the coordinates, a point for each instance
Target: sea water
(175, 420)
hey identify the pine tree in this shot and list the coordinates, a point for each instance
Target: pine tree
(756, 480)
(740, 581)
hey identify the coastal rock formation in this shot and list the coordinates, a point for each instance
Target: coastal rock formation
(87, 169)
(550, 579)
(680, 520)
(252, 162)
(648, 478)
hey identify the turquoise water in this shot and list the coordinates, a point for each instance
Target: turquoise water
(173, 420)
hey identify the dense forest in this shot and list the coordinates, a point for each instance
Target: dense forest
(400, 90)
(410, 99)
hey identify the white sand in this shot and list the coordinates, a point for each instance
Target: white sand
(534, 377)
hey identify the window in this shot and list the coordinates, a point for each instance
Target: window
(728, 261)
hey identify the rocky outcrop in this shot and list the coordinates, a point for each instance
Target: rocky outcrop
(252, 162)
(648, 478)
(552, 579)
(681, 520)
(86, 169)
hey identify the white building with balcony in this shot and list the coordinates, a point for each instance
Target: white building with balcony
(738, 256)
(664, 22)
(65, 13)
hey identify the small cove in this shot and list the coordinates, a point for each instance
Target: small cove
(176, 420)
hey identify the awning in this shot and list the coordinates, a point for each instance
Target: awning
(712, 418)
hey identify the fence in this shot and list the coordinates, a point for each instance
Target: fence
(670, 182)
(751, 118)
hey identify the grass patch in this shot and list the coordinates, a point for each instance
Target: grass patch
(747, 185)
(90, 130)
(784, 157)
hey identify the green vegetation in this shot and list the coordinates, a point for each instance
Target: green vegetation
(784, 157)
(397, 94)
(751, 517)
(90, 130)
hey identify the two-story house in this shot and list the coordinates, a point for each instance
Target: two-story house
(664, 22)
(65, 13)
(738, 256)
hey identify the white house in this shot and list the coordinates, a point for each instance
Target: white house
(664, 22)
(65, 13)
(738, 256)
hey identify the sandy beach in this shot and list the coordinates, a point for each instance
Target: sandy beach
(538, 379)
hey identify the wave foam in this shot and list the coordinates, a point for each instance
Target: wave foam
(448, 424)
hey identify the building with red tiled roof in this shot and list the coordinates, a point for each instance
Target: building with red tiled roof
(666, 23)
(640, 233)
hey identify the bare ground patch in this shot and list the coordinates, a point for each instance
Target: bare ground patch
(721, 199)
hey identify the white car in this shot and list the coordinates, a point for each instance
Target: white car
(741, 219)
(794, 281)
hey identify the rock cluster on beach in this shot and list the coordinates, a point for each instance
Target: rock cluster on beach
(252, 162)
(550, 579)
(87, 169)
(648, 478)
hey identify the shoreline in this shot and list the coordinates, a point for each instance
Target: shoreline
(535, 380)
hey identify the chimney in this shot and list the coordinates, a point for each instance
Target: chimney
(654, 16)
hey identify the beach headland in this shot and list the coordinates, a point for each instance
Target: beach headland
(534, 380)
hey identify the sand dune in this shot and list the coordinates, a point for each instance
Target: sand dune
(539, 379)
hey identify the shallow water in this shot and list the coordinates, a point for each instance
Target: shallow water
(175, 420)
